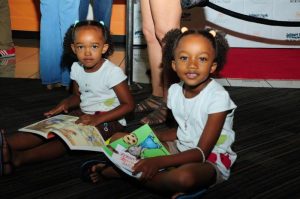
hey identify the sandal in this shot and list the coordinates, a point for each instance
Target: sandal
(6, 166)
(158, 116)
(196, 194)
(86, 169)
(149, 104)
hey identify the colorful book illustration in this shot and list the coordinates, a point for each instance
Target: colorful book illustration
(76, 136)
(139, 144)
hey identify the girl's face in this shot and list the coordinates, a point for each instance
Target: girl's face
(89, 46)
(194, 60)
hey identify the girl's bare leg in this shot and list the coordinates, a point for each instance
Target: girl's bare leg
(23, 141)
(29, 148)
(185, 178)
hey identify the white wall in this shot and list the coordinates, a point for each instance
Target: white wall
(242, 33)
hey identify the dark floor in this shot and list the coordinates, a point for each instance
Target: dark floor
(267, 143)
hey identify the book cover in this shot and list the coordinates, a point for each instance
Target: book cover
(76, 136)
(139, 144)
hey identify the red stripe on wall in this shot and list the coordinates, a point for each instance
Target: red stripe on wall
(254, 63)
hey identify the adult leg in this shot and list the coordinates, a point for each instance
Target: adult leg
(188, 177)
(83, 9)
(165, 15)
(154, 56)
(68, 14)
(50, 42)
(153, 47)
(102, 11)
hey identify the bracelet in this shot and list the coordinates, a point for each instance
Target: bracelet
(202, 153)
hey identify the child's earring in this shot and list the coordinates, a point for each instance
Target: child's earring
(101, 22)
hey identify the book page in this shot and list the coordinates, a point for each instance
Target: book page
(76, 136)
(81, 137)
(44, 127)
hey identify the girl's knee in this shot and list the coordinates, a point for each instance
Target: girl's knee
(186, 180)
(160, 33)
(149, 35)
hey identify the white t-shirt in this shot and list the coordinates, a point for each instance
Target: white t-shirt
(96, 88)
(191, 115)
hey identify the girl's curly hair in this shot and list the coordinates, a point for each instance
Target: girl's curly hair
(172, 38)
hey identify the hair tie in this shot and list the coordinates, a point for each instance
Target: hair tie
(213, 33)
(101, 22)
(184, 29)
(76, 22)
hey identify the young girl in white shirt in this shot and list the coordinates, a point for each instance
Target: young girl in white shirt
(100, 98)
(200, 147)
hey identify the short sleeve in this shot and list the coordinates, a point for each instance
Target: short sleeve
(220, 102)
(170, 96)
(115, 76)
(73, 73)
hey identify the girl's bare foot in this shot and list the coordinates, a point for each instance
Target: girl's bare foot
(97, 171)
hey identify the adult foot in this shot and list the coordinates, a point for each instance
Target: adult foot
(156, 117)
(52, 86)
(149, 104)
(56, 86)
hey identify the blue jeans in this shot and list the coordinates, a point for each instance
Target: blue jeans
(101, 10)
(56, 17)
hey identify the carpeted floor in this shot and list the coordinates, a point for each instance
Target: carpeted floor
(267, 143)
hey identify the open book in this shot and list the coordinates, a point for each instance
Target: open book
(77, 137)
(139, 144)
(124, 152)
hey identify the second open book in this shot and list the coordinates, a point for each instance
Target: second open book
(124, 152)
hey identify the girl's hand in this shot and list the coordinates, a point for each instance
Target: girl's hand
(87, 120)
(149, 168)
(62, 107)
